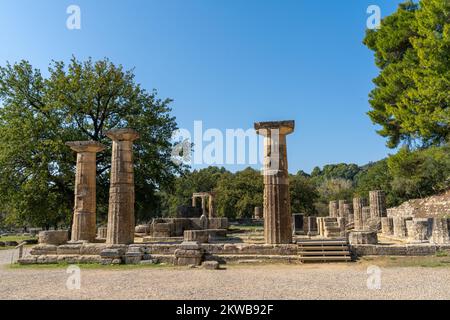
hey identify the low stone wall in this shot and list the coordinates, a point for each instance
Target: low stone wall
(397, 250)
(433, 230)
(435, 206)
(175, 227)
(169, 253)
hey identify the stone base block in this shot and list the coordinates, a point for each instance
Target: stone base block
(363, 237)
(43, 250)
(56, 237)
(200, 236)
(188, 253)
(111, 254)
(133, 257)
(69, 249)
(143, 229)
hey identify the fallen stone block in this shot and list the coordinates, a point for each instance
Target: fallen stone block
(111, 253)
(133, 257)
(55, 237)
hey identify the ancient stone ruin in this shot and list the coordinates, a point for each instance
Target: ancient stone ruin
(277, 211)
(121, 192)
(196, 235)
(84, 216)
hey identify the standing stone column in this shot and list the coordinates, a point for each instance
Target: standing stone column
(203, 206)
(365, 217)
(194, 202)
(84, 216)
(377, 202)
(358, 205)
(277, 207)
(121, 191)
(211, 206)
(341, 210)
(333, 209)
(347, 212)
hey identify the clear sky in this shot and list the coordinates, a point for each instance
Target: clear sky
(227, 63)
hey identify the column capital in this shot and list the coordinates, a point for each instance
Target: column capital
(123, 134)
(85, 146)
(284, 127)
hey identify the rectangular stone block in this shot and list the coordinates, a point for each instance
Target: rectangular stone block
(43, 250)
(69, 249)
(111, 253)
(387, 226)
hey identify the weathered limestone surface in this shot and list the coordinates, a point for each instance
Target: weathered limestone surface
(358, 205)
(333, 209)
(387, 226)
(55, 237)
(200, 236)
(435, 206)
(211, 196)
(400, 230)
(419, 229)
(121, 218)
(377, 202)
(84, 216)
(440, 231)
(189, 253)
(258, 213)
(365, 217)
(363, 237)
(277, 210)
(347, 212)
(341, 210)
(101, 232)
(142, 228)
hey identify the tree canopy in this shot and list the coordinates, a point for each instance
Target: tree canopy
(411, 99)
(80, 101)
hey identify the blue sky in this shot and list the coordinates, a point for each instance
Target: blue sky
(227, 63)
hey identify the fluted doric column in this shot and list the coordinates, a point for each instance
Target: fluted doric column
(121, 192)
(277, 208)
(84, 216)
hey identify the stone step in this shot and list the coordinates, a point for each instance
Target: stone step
(327, 259)
(326, 248)
(322, 242)
(325, 253)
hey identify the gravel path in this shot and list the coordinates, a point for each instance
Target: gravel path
(336, 281)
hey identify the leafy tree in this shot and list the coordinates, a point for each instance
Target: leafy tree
(421, 173)
(79, 101)
(335, 171)
(238, 194)
(203, 180)
(303, 194)
(376, 176)
(412, 50)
